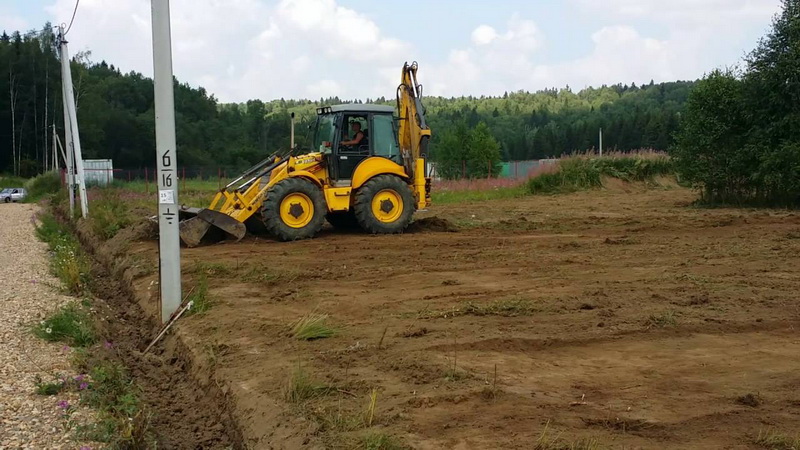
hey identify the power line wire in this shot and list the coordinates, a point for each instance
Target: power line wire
(74, 11)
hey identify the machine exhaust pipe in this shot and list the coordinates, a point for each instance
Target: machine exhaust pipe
(291, 140)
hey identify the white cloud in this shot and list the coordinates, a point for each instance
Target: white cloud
(242, 49)
(483, 35)
(682, 12)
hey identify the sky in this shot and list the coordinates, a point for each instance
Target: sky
(269, 49)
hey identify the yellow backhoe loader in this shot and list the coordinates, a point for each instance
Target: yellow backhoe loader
(376, 184)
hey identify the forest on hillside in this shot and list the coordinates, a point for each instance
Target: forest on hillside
(116, 115)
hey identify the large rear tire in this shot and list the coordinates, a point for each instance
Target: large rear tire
(294, 209)
(384, 205)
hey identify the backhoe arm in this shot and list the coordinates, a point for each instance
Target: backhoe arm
(413, 132)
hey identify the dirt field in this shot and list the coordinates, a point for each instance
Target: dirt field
(622, 318)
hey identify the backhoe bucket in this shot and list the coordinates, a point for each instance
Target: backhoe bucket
(200, 221)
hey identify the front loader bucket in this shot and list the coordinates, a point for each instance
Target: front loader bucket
(195, 228)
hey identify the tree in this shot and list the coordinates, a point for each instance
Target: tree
(740, 140)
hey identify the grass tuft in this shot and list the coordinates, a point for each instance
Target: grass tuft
(376, 440)
(302, 387)
(772, 440)
(49, 387)
(70, 324)
(312, 326)
(663, 320)
(200, 296)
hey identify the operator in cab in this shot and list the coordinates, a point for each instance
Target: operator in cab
(358, 135)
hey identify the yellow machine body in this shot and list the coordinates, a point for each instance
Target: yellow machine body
(231, 207)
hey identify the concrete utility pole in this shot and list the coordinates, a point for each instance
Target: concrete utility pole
(75, 141)
(166, 158)
(68, 160)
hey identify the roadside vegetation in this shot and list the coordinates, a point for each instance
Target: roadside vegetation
(101, 382)
(69, 262)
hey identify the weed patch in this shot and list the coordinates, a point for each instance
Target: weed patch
(547, 441)
(265, 275)
(503, 308)
(70, 324)
(302, 387)
(110, 213)
(376, 440)
(773, 440)
(200, 296)
(69, 263)
(663, 320)
(122, 422)
(49, 387)
(582, 172)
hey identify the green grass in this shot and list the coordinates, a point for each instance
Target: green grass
(312, 326)
(71, 324)
(264, 274)
(212, 269)
(504, 308)
(582, 172)
(663, 320)
(377, 440)
(303, 387)
(773, 440)
(442, 197)
(122, 423)
(12, 181)
(69, 263)
(200, 296)
(109, 213)
(48, 388)
(547, 441)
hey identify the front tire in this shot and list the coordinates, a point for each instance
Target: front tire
(384, 205)
(294, 209)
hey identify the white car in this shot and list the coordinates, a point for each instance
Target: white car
(9, 195)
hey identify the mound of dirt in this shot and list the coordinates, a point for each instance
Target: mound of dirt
(432, 224)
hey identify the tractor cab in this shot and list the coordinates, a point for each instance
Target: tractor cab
(339, 124)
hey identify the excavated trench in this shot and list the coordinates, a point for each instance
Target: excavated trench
(188, 411)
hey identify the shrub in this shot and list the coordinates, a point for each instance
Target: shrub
(43, 185)
(581, 172)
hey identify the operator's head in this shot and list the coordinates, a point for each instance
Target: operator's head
(355, 126)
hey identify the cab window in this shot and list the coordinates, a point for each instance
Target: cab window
(324, 132)
(383, 137)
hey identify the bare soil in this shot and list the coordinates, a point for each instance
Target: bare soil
(626, 318)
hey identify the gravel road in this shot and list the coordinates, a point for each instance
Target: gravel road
(28, 293)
